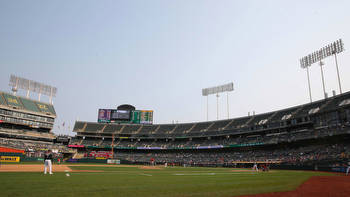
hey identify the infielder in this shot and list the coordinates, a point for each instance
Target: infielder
(48, 162)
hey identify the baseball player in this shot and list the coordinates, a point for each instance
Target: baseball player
(348, 169)
(255, 167)
(48, 161)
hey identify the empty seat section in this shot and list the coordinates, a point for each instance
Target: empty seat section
(94, 127)
(45, 108)
(147, 129)
(129, 129)
(30, 105)
(306, 108)
(201, 126)
(2, 100)
(78, 126)
(218, 125)
(12, 101)
(281, 114)
(52, 109)
(334, 103)
(165, 128)
(112, 128)
(239, 122)
(181, 128)
(261, 119)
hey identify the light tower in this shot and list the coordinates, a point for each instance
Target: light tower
(31, 86)
(216, 90)
(317, 56)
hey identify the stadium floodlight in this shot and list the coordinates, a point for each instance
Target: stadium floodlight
(322, 77)
(308, 76)
(317, 56)
(30, 85)
(216, 90)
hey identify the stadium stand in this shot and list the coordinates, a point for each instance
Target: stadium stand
(147, 129)
(94, 127)
(238, 123)
(316, 132)
(290, 155)
(165, 128)
(200, 127)
(26, 124)
(218, 125)
(79, 126)
(130, 129)
(182, 128)
(111, 128)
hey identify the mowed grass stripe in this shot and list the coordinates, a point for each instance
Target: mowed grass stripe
(161, 183)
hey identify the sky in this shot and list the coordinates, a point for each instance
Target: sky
(158, 55)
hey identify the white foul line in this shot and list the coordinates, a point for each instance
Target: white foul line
(146, 174)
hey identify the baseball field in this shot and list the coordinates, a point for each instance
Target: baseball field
(121, 180)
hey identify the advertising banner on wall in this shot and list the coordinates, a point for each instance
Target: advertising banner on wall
(9, 159)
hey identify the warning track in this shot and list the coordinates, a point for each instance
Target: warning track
(317, 186)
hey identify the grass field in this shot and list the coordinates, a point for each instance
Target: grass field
(133, 181)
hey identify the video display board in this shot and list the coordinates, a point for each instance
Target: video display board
(125, 116)
(120, 115)
(104, 115)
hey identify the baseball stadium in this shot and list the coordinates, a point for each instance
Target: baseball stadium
(196, 98)
(297, 151)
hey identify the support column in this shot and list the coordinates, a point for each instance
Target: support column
(228, 111)
(324, 88)
(336, 64)
(217, 106)
(308, 80)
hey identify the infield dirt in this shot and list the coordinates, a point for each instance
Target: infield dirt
(33, 168)
(61, 168)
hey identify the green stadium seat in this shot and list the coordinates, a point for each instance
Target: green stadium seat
(52, 110)
(30, 105)
(2, 100)
(13, 101)
(78, 126)
(45, 108)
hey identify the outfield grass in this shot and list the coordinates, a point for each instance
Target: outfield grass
(132, 181)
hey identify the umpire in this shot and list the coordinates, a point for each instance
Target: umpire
(48, 161)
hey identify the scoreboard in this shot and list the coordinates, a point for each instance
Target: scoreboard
(125, 116)
(142, 117)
